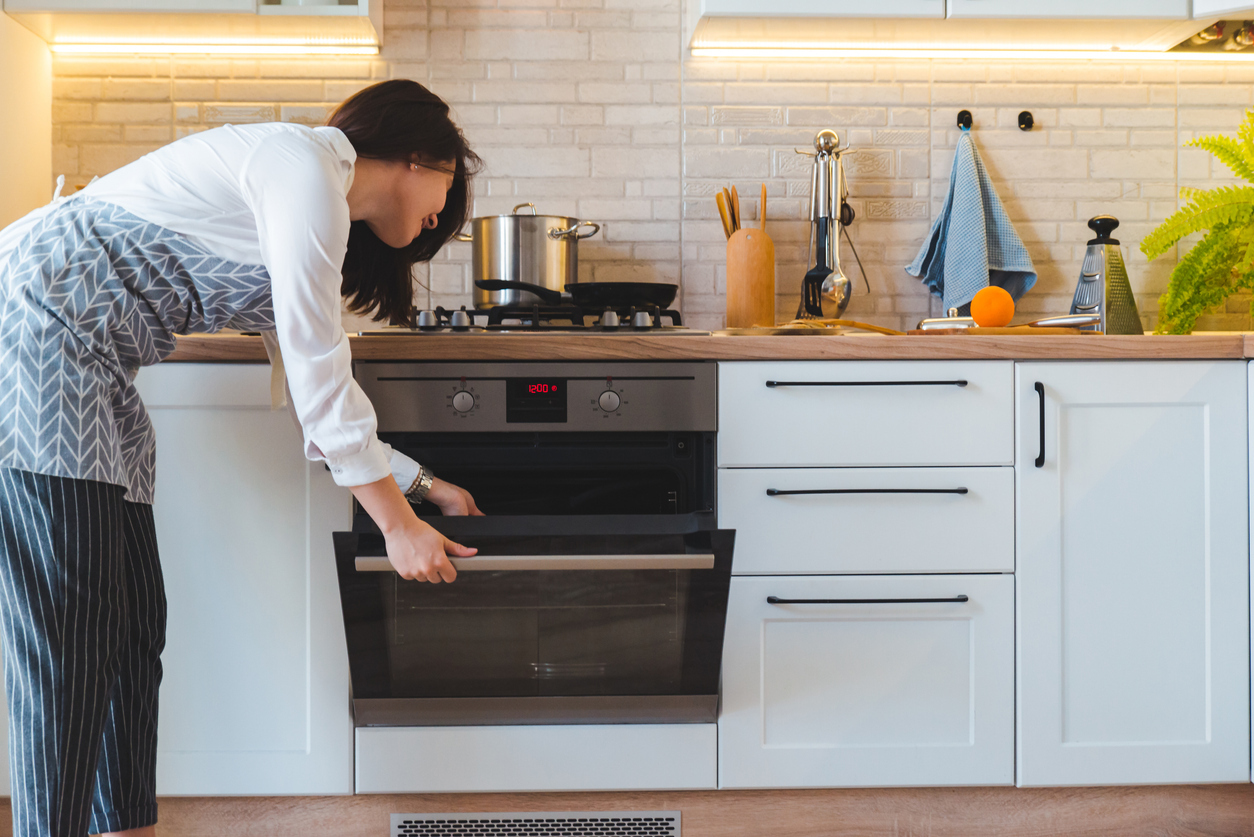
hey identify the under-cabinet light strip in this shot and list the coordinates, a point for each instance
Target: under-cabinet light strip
(215, 49)
(800, 51)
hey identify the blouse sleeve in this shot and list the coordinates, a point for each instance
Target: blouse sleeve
(295, 189)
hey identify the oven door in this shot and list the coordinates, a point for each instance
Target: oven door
(557, 620)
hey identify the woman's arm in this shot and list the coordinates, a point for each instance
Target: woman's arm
(416, 550)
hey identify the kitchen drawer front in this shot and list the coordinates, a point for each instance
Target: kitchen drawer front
(884, 520)
(573, 757)
(866, 413)
(868, 694)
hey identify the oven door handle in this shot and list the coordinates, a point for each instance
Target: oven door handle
(515, 563)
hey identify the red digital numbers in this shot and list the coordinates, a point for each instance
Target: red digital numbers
(541, 389)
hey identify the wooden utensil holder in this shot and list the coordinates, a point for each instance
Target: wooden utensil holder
(750, 279)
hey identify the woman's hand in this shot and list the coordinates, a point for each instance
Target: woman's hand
(419, 552)
(416, 550)
(453, 500)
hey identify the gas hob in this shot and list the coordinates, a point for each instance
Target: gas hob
(545, 319)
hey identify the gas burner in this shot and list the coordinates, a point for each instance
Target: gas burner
(531, 319)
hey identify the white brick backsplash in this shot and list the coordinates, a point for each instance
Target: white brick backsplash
(523, 45)
(577, 106)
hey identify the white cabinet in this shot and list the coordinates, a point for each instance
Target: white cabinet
(873, 688)
(255, 698)
(571, 757)
(248, 6)
(1216, 8)
(1075, 9)
(825, 8)
(869, 520)
(865, 413)
(1132, 581)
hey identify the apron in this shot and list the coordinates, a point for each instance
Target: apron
(89, 295)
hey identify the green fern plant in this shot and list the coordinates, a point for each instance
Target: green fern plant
(1222, 263)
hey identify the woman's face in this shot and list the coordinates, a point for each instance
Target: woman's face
(415, 197)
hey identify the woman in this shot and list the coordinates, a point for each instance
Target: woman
(261, 227)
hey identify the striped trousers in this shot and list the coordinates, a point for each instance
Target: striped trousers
(82, 613)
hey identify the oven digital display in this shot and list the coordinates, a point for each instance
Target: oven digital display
(529, 400)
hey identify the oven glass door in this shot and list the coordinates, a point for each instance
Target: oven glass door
(556, 620)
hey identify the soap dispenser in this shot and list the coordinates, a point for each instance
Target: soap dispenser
(1103, 287)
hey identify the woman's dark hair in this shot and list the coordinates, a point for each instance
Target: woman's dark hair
(401, 120)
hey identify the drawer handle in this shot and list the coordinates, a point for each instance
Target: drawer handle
(1040, 457)
(774, 384)
(776, 600)
(777, 492)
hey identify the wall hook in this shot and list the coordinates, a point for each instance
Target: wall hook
(1026, 121)
(964, 120)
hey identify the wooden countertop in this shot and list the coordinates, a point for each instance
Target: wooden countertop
(1212, 345)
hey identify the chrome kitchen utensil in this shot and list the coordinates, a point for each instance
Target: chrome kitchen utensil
(537, 249)
(951, 321)
(1067, 321)
(825, 289)
(1103, 288)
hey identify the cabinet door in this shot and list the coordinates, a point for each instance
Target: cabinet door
(255, 698)
(155, 6)
(823, 8)
(1132, 573)
(1212, 8)
(870, 690)
(1102, 9)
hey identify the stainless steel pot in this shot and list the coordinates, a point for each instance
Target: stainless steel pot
(538, 249)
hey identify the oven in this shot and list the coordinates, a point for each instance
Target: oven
(599, 593)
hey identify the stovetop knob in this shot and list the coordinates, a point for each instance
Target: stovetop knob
(460, 319)
(609, 319)
(428, 319)
(642, 319)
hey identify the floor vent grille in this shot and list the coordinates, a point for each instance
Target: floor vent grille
(565, 824)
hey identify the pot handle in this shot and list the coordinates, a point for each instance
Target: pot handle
(572, 231)
(461, 236)
(521, 205)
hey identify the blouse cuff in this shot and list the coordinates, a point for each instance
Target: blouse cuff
(361, 468)
(404, 469)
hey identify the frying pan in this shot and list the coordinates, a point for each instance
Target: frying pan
(592, 295)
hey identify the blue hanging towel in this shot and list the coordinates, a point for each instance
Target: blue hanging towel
(972, 244)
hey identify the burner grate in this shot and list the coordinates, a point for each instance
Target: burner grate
(566, 824)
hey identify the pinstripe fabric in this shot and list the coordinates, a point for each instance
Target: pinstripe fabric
(82, 613)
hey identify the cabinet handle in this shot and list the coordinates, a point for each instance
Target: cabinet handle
(777, 492)
(774, 384)
(776, 600)
(1040, 457)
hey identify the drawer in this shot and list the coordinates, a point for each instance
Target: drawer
(866, 413)
(868, 692)
(570, 757)
(869, 520)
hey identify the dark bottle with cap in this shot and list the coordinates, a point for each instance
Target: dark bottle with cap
(1103, 287)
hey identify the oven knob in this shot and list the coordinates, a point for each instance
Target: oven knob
(609, 401)
(428, 319)
(460, 319)
(463, 402)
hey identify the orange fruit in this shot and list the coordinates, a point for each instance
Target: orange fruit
(992, 307)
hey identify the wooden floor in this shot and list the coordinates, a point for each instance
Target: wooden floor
(1213, 810)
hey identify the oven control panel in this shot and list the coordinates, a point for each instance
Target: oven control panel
(503, 397)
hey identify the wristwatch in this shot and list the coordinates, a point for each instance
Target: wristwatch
(421, 485)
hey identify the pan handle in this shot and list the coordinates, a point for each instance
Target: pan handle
(461, 236)
(549, 295)
(571, 231)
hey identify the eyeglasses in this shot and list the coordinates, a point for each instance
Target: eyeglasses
(441, 169)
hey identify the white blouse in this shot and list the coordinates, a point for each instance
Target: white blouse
(277, 194)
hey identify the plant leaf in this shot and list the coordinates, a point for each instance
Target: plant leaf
(1202, 279)
(1216, 207)
(1231, 152)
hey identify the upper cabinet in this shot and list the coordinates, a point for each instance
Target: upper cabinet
(1137, 25)
(824, 8)
(1216, 8)
(1076, 9)
(186, 24)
